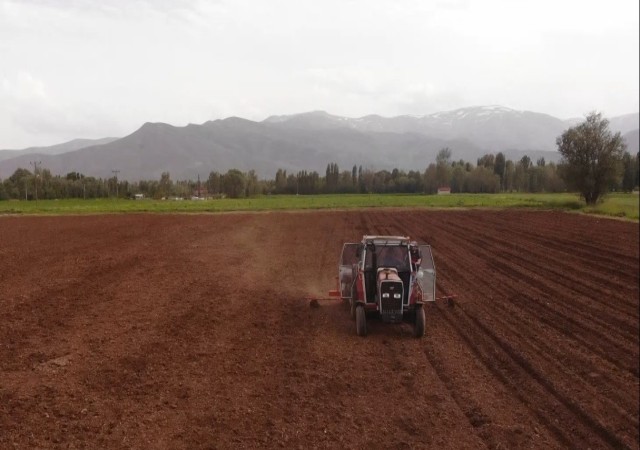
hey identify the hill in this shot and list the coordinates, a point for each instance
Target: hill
(57, 149)
(307, 141)
(490, 128)
(632, 140)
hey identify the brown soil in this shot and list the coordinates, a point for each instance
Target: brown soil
(159, 331)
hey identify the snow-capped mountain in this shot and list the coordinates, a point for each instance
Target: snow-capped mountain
(492, 128)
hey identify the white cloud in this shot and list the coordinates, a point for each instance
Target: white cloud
(23, 87)
(90, 68)
(29, 111)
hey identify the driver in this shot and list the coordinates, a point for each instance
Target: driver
(416, 257)
(394, 257)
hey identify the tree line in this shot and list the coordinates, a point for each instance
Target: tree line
(593, 162)
(490, 174)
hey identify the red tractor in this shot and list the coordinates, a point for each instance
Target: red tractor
(390, 276)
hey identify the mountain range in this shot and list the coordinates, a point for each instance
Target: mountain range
(57, 149)
(309, 141)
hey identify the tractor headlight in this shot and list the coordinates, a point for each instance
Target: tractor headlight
(397, 295)
(385, 295)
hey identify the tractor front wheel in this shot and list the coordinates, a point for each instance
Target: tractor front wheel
(418, 328)
(361, 321)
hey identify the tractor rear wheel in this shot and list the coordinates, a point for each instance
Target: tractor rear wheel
(352, 308)
(418, 327)
(361, 321)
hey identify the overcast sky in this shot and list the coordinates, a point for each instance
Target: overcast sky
(97, 68)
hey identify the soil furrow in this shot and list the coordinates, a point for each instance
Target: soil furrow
(195, 331)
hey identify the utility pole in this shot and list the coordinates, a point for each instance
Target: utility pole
(35, 175)
(116, 172)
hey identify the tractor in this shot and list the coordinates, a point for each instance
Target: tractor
(387, 276)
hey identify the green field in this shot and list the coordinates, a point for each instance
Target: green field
(619, 205)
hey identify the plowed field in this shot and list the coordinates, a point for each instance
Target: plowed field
(192, 331)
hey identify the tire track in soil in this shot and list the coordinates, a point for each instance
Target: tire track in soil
(489, 362)
(355, 391)
(579, 278)
(554, 314)
(529, 228)
(481, 417)
(473, 414)
(592, 269)
(398, 219)
(507, 310)
(512, 241)
(302, 372)
(605, 331)
(206, 340)
(573, 328)
(593, 236)
(598, 379)
(513, 357)
(600, 430)
(559, 356)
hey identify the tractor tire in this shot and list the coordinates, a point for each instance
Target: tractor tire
(361, 321)
(418, 327)
(352, 309)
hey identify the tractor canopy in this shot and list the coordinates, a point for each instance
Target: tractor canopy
(411, 262)
(347, 268)
(426, 274)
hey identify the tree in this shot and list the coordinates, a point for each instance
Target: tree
(591, 155)
(636, 164)
(252, 185)
(281, 181)
(499, 168)
(430, 179)
(213, 183)
(483, 180)
(74, 176)
(354, 177)
(443, 156)
(509, 176)
(521, 175)
(233, 183)
(332, 177)
(628, 173)
(488, 161)
(458, 176)
(443, 167)
(165, 184)
(4, 195)
(20, 180)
